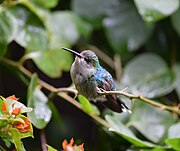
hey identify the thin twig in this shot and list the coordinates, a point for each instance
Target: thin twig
(68, 89)
(66, 97)
(117, 66)
(43, 140)
(58, 91)
(174, 109)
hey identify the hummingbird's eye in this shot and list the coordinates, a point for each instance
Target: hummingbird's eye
(87, 60)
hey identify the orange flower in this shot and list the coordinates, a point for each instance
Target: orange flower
(69, 146)
(23, 127)
(3, 107)
(16, 111)
(12, 97)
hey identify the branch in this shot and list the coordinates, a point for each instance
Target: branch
(117, 66)
(59, 91)
(175, 109)
(43, 140)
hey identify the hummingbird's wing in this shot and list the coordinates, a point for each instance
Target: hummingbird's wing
(112, 102)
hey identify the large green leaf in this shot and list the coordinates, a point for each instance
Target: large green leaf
(52, 62)
(3, 47)
(177, 72)
(65, 28)
(8, 28)
(41, 114)
(123, 26)
(151, 121)
(51, 148)
(154, 10)
(156, 149)
(31, 31)
(173, 131)
(45, 3)
(125, 132)
(91, 10)
(174, 143)
(148, 74)
(173, 139)
(176, 21)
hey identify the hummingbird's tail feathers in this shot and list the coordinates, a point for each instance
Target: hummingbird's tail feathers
(125, 108)
(115, 104)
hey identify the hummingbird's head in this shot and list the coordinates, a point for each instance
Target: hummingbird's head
(89, 58)
(86, 58)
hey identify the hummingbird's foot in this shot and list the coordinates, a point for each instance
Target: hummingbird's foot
(100, 91)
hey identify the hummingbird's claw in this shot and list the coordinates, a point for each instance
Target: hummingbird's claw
(100, 90)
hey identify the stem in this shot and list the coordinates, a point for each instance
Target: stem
(117, 66)
(174, 109)
(59, 91)
(64, 95)
(43, 140)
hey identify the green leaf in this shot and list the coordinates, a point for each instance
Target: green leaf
(174, 143)
(173, 131)
(175, 19)
(8, 28)
(2, 149)
(87, 106)
(65, 28)
(3, 47)
(156, 149)
(41, 114)
(45, 3)
(124, 28)
(176, 69)
(153, 10)
(51, 148)
(125, 132)
(52, 62)
(91, 10)
(151, 121)
(174, 136)
(56, 116)
(31, 31)
(148, 74)
(17, 140)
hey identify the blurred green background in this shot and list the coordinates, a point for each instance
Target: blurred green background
(137, 41)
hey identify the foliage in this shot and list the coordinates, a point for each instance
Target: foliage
(143, 34)
(14, 125)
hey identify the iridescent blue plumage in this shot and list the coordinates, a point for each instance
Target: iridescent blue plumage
(102, 75)
(88, 77)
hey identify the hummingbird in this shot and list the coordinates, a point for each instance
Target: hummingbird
(89, 77)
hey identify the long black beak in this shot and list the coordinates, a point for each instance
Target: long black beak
(72, 51)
